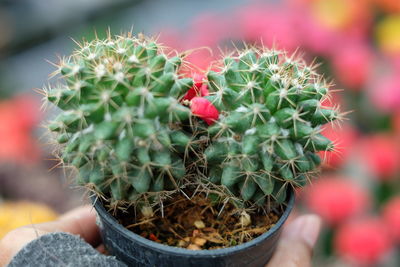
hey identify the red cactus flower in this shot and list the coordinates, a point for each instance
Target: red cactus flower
(363, 242)
(204, 109)
(381, 155)
(391, 215)
(198, 89)
(336, 199)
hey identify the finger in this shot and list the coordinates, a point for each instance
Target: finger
(102, 249)
(297, 242)
(80, 221)
(15, 240)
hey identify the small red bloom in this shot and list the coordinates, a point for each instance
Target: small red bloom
(336, 199)
(363, 242)
(204, 109)
(198, 89)
(391, 215)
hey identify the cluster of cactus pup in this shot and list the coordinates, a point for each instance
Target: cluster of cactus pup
(137, 128)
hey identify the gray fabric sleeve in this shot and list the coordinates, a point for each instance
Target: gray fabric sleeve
(61, 249)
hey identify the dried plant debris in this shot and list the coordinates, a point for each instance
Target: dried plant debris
(198, 224)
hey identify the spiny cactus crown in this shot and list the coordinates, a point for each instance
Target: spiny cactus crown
(126, 127)
(269, 129)
(120, 125)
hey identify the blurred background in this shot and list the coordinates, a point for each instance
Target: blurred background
(355, 42)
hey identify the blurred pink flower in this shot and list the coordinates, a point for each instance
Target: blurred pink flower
(320, 40)
(391, 215)
(206, 33)
(385, 93)
(344, 138)
(208, 29)
(352, 62)
(270, 24)
(363, 242)
(381, 155)
(18, 117)
(171, 38)
(336, 199)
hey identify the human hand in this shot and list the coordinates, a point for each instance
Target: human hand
(294, 248)
(80, 221)
(297, 241)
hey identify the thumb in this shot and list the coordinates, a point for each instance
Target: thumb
(297, 241)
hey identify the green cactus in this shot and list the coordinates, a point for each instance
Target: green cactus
(127, 129)
(121, 118)
(269, 132)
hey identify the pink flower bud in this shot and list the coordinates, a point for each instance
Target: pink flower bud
(204, 109)
(198, 89)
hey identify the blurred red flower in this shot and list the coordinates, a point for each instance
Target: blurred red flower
(18, 117)
(362, 242)
(380, 154)
(391, 215)
(336, 199)
(204, 109)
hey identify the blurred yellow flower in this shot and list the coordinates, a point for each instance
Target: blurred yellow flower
(332, 13)
(17, 214)
(338, 14)
(387, 34)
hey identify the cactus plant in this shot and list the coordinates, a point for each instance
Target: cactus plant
(268, 134)
(136, 128)
(121, 120)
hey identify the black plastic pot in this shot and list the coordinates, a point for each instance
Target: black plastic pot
(135, 250)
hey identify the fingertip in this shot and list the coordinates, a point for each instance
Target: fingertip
(81, 221)
(79, 212)
(306, 228)
(297, 241)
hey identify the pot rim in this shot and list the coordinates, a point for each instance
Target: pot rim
(182, 251)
